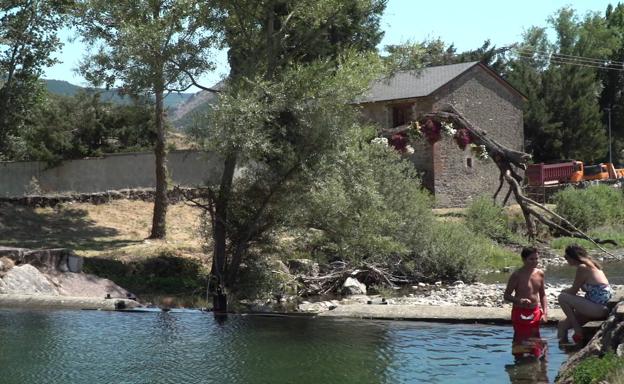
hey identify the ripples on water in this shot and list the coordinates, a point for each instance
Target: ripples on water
(92, 347)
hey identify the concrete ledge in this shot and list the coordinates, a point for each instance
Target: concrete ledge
(62, 302)
(454, 314)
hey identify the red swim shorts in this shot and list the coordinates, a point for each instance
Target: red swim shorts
(526, 322)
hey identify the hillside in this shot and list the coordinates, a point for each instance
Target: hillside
(61, 87)
(185, 113)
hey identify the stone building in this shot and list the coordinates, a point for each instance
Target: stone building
(454, 176)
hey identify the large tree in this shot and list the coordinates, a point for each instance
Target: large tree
(612, 96)
(287, 100)
(429, 53)
(28, 37)
(563, 116)
(147, 47)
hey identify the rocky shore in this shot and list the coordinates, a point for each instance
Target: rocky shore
(53, 278)
(460, 294)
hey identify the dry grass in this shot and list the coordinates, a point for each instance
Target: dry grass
(116, 230)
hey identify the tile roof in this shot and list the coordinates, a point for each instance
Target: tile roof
(409, 84)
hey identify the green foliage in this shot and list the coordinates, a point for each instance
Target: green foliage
(592, 207)
(563, 118)
(612, 84)
(165, 273)
(595, 369)
(301, 32)
(63, 128)
(148, 48)
(369, 205)
(452, 252)
(27, 39)
(281, 132)
(485, 217)
(615, 233)
(263, 278)
(429, 53)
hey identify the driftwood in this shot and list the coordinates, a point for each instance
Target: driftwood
(509, 163)
(332, 280)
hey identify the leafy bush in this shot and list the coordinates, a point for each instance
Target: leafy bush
(165, 273)
(368, 205)
(591, 207)
(485, 217)
(595, 369)
(452, 252)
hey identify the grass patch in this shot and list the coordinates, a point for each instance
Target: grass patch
(498, 257)
(596, 369)
(117, 229)
(112, 239)
(613, 233)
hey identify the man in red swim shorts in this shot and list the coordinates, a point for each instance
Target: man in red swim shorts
(525, 289)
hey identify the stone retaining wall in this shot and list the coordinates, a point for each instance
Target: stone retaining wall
(175, 195)
(109, 172)
(59, 259)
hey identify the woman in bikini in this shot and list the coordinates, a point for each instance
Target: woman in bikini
(578, 310)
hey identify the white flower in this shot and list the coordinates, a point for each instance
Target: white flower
(448, 129)
(380, 141)
(409, 150)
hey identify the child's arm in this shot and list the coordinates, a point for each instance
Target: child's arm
(543, 300)
(511, 287)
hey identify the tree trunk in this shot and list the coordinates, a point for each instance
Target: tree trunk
(219, 260)
(159, 229)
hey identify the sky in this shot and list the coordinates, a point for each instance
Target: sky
(467, 24)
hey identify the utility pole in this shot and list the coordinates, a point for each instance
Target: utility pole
(609, 125)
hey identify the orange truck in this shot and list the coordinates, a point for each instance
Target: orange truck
(572, 171)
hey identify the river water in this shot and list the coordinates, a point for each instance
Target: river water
(94, 347)
(564, 274)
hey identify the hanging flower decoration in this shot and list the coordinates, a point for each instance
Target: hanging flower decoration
(448, 129)
(399, 141)
(415, 131)
(431, 130)
(462, 138)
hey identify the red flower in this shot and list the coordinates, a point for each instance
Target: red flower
(431, 129)
(462, 138)
(399, 141)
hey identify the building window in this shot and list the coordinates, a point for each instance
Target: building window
(469, 162)
(401, 114)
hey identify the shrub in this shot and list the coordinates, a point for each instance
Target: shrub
(591, 207)
(452, 252)
(485, 217)
(595, 369)
(368, 205)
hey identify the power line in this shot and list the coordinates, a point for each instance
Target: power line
(570, 57)
(573, 60)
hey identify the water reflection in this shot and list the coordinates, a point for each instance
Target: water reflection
(100, 347)
(528, 369)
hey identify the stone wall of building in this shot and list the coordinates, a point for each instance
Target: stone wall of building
(460, 177)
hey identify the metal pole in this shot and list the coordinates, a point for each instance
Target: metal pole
(610, 157)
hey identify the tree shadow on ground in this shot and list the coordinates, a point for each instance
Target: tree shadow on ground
(164, 273)
(68, 227)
